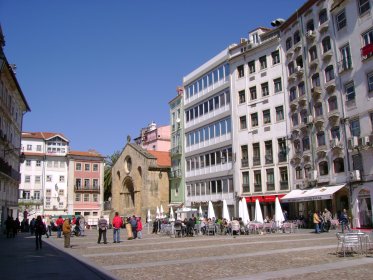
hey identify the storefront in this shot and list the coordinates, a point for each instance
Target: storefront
(267, 203)
(362, 206)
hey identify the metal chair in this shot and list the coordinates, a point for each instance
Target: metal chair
(210, 228)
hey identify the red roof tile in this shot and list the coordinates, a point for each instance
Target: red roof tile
(42, 135)
(163, 158)
(86, 154)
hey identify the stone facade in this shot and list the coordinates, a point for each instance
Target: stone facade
(139, 182)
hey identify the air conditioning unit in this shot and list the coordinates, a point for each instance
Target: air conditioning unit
(364, 141)
(355, 175)
(312, 175)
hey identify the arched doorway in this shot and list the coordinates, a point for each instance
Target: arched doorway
(129, 193)
(365, 209)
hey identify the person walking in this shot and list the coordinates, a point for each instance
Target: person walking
(344, 221)
(133, 222)
(66, 230)
(316, 221)
(82, 225)
(59, 224)
(102, 227)
(117, 224)
(39, 229)
(327, 216)
(139, 228)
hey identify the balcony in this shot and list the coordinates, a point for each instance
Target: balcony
(282, 156)
(256, 160)
(316, 92)
(330, 86)
(297, 47)
(321, 151)
(87, 189)
(30, 201)
(257, 187)
(367, 51)
(245, 187)
(176, 150)
(327, 55)
(319, 122)
(334, 117)
(302, 100)
(245, 162)
(324, 26)
(175, 173)
(284, 185)
(270, 186)
(310, 35)
(268, 159)
(299, 71)
(293, 104)
(306, 157)
(344, 65)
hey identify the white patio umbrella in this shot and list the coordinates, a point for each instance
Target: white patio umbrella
(200, 213)
(245, 211)
(172, 216)
(258, 212)
(149, 219)
(240, 209)
(210, 211)
(161, 215)
(356, 214)
(157, 213)
(225, 211)
(279, 215)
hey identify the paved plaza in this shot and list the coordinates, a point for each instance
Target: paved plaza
(300, 255)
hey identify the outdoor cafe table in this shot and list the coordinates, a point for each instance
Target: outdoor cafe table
(255, 227)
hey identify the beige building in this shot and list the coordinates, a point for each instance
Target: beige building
(140, 181)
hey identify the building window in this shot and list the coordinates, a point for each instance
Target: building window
(341, 19)
(296, 37)
(242, 96)
(310, 26)
(288, 43)
(95, 167)
(240, 71)
(95, 197)
(364, 6)
(38, 163)
(333, 104)
(315, 80)
(326, 45)
(346, 62)
(245, 182)
(36, 194)
(27, 179)
(86, 167)
(323, 16)
(61, 192)
(243, 124)
(270, 179)
(49, 178)
(78, 183)
(78, 166)
(86, 183)
(323, 168)
(29, 147)
(253, 95)
(335, 133)
(86, 197)
(306, 143)
(265, 90)
(254, 120)
(268, 152)
(350, 91)
(77, 197)
(279, 113)
(278, 85)
(256, 154)
(329, 73)
(370, 81)
(38, 148)
(48, 192)
(355, 127)
(275, 57)
(293, 94)
(28, 162)
(267, 116)
(62, 179)
(95, 183)
(339, 165)
(37, 179)
(318, 109)
(320, 138)
(251, 65)
(291, 68)
(313, 53)
(263, 62)
(284, 185)
(298, 173)
(295, 119)
(257, 181)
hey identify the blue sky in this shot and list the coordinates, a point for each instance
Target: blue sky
(98, 71)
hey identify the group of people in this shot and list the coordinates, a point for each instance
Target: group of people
(323, 220)
(133, 227)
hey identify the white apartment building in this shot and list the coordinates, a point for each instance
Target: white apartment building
(208, 135)
(258, 119)
(352, 25)
(43, 187)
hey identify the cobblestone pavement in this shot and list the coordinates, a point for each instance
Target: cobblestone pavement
(300, 255)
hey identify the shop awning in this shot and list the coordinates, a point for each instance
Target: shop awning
(263, 198)
(311, 194)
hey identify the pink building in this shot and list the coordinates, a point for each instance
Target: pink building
(155, 138)
(86, 184)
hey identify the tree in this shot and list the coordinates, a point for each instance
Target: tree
(109, 163)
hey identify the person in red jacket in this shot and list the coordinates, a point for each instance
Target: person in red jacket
(59, 223)
(117, 224)
(139, 228)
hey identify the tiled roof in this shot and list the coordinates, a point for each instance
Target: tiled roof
(86, 154)
(42, 135)
(163, 158)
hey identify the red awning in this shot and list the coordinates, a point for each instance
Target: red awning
(366, 50)
(263, 198)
